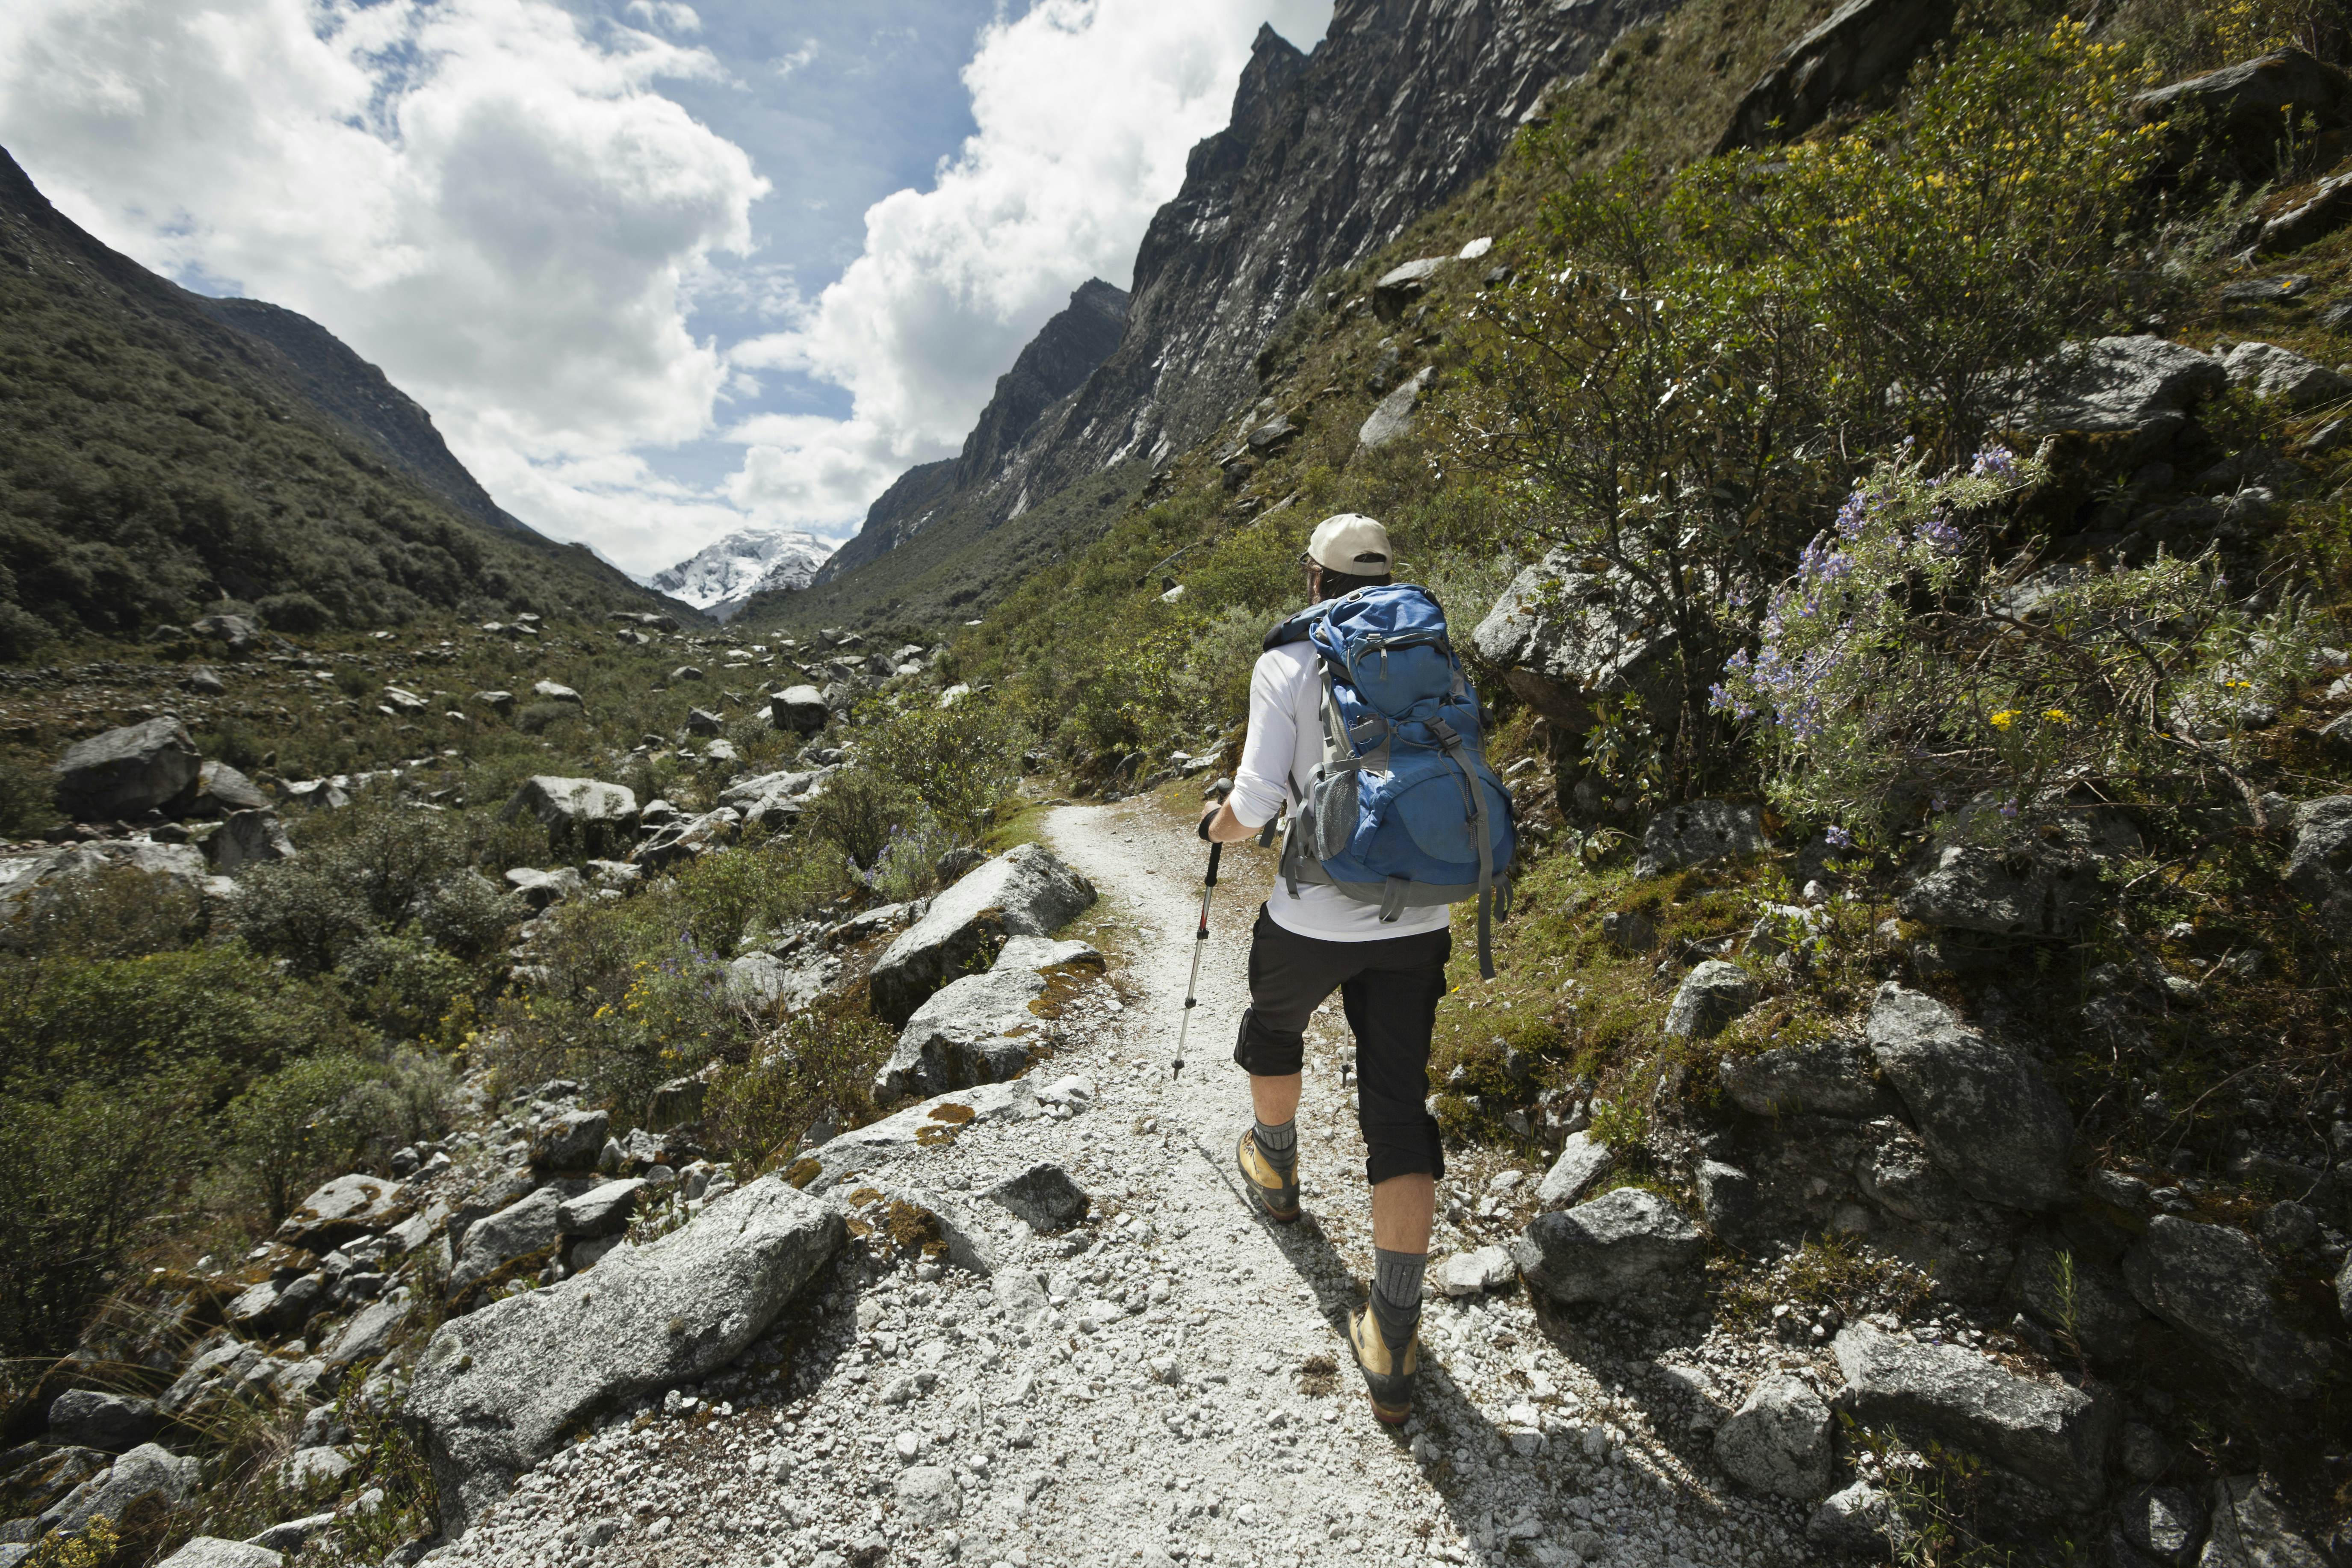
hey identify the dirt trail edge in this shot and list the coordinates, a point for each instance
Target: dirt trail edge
(1165, 1382)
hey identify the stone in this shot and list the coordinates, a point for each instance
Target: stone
(1401, 286)
(249, 839)
(502, 703)
(89, 1418)
(1629, 930)
(1565, 637)
(542, 890)
(926, 1497)
(292, 1535)
(1624, 1249)
(1727, 1201)
(1275, 432)
(1820, 1078)
(238, 632)
(1475, 1273)
(1985, 1114)
(569, 1141)
(2165, 1523)
(1709, 998)
(2319, 866)
(316, 1469)
(2272, 371)
(703, 722)
(1581, 1161)
(316, 795)
(2212, 1283)
(148, 1476)
(2343, 1290)
(1698, 832)
(548, 691)
(404, 701)
(800, 709)
(220, 789)
(2053, 1434)
(2329, 209)
(983, 1028)
(2144, 386)
(2103, 1315)
(212, 1551)
(2038, 879)
(1778, 1440)
(603, 1210)
(684, 673)
(344, 1210)
(123, 774)
(372, 1332)
(1027, 891)
(495, 1392)
(923, 1125)
(689, 838)
(520, 1231)
(203, 680)
(582, 814)
(1860, 1518)
(1044, 1196)
(1392, 416)
(2234, 114)
(1863, 43)
(2251, 1529)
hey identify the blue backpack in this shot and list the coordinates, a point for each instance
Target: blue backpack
(1404, 812)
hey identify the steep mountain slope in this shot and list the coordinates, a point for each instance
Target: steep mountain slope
(160, 453)
(718, 578)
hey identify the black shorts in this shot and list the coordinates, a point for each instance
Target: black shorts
(1391, 990)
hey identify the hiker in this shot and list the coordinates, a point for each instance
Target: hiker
(1378, 942)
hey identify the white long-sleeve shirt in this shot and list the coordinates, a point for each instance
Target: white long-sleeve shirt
(1286, 742)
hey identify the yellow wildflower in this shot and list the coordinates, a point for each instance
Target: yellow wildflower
(2004, 719)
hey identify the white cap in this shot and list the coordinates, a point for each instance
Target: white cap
(1354, 545)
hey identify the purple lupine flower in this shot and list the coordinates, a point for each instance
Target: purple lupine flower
(1995, 462)
(1939, 532)
(2008, 810)
(1838, 838)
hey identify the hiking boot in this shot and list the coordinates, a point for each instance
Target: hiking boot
(1387, 1376)
(1272, 1191)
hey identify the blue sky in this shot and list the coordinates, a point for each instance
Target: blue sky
(659, 269)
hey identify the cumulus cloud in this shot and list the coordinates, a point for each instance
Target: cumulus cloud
(1086, 110)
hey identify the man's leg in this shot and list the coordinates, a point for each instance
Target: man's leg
(1289, 976)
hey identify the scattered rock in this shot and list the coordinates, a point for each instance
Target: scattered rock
(1044, 1196)
(125, 774)
(1708, 999)
(542, 890)
(147, 1476)
(249, 839)
(548, 691)
(1564, 637)
(703, 722)
(1823, 1077)
(344, 1210)
(593, 818)
(1698, 832)
(1985, 1114)
(2099, 1311)
(2032, 879)
(1626, 1248)
(1392, 416)
(2236, 112)
(2212, 1283)
(601, 1211)
(1860, 1518)
(1401, 286)
(1863, 44)
(520, 1231)
(918, 1127)
(2273, 372)
(212, 1551)
(2329, 209)
(569, 1142)
(2163, 1523)
(112, 1423)
(372, 1331)
(1025, 892)
(1475, 1273)
(983, 1028)
(1726, 1197)
(2144, 386)
(502, 703)
(1581, 1161)
(292, 1535)
(926, 1497)
(1778, 1440)
(2053, 1434)
(2319, 867)
(220, 789)
(496, 1391)
(2251, 1529)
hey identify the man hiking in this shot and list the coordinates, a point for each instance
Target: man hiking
(1387, 962)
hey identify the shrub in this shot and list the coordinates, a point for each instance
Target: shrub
(118, 912)
(959, 761)
(25, 796)
(404, 984)
(819, 1067)
(298, 1126)
(298, 613)
(467, 914)
(537, 718)
(372, 864)
(753, 889)
(857, 812)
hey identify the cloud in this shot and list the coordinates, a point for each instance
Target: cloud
(1086, 110)
(667, 15)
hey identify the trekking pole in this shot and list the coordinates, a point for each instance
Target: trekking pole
(1217, 792)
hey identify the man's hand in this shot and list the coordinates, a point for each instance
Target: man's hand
(1220, 825)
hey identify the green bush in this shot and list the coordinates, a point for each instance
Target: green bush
(467, 914)
(118, 912)
(26, 790)
(753, 889)
(959, 761)
(298, 615)
(298, 1126)
(857, 812)
(819, 1067)
(404, 984)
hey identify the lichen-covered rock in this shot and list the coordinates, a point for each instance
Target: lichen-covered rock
(1628, 1248)
(1392, 416)
(1024, 893)
(986, 1028)
(1564, 637)
(2253, 1529)
(521, 1230)
(2270, 370)
(344, 1210)
(569, 1140)
(2212, 1283)
(496, 1391)
(1698, 832)
(2234, 115)
(2319, 867)
(91, 1418)
(1583, 1159)
(1778, 1440)
(1984, 1112)
(1709, 998)
(1860, 1518)
(2040, 878)
(2144, 386)
(2163, 1524)
(1821, 1078)
(148, 1476)
(1863, 44)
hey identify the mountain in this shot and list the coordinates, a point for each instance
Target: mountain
(162, 454)
(1327, 157)
(719, 577)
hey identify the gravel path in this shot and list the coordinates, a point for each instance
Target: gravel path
(1182, 1391)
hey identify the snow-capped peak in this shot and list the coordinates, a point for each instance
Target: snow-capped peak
(719, 577)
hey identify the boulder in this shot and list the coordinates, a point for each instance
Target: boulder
(2272, 371)
(582, 814)
(689, 838)
(1392, 416)
(2236, 114)
(1401, 286)
(983, 1028)
(496, 1391)
(519, 1232)
(1475, 1273)
(569, 1141)
(601, 1211)
(249, 839)
(212, 1551)
(2032, 879)
(1708, 999)
(220, 789)
(400, 700)
(2212, 1283)
(2053, 1434)
(2251, 1529)
(372, 1332)
(1025, 892)
(2319, 867)
(502, 703)
(923, 1125)
(1865, 44)
(148, 1476)
(2143, 386)
(542, 890)
(1046, 1197)
(548, 691)
(344, 1210)
(1985, 1113)
(1860, 1518)
(2329, 209)
(33, 880)
(1821, 1078)
(1564, 637)
(1726, 1198)
(112, 1423)
(1699, 831)
(123, 774)
(1778, 1440)
(2161, 1523)
(237, 633)
(1624, 1249)
(292, 1535)
(703, 722)
(1583, 1159)
(684, 673)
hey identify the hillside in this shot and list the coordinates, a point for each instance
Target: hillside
(163, 455)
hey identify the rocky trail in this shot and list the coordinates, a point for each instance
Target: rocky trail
(1166, 1381)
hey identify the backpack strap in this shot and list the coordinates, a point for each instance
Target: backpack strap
(1455, 750)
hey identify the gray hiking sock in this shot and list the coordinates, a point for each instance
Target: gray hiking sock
(1278, 1144)
(1396, 1295)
